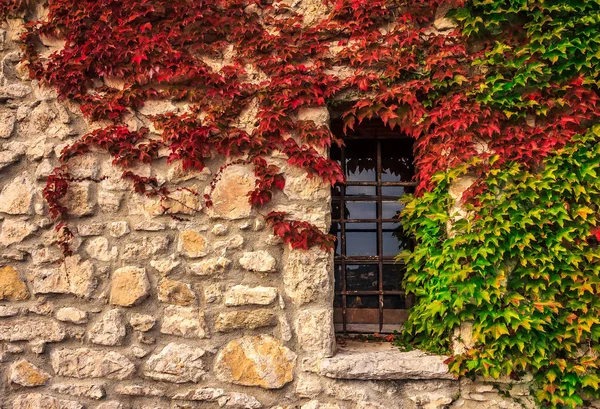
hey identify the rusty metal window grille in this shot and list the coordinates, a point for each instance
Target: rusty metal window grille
(378, 165)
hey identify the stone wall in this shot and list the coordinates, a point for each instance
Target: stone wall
(151, 312)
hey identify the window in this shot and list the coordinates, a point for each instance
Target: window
(378, 164)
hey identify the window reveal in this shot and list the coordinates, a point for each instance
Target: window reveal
(379, 169)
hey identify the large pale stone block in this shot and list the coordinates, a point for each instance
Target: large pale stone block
(230, 196)
(256, 361)
(18, 196)
(79, 199)
(176, 363)
(244, 295)
(315, 332)
(95, 392)
(89, 363)
(32, 329)
(129, 285)
(385, 365)
(109, 329)
(307, 275)
(187, 322)
(72, 277)
(15, 231)
(260, 261)
(211, 266)
(12, 288)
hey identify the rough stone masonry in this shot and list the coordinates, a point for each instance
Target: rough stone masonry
(154, 313)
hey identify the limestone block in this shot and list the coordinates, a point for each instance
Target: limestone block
(139, 390)
(79, 199)
(200, 394)
(72, 277)
(113, 404)
(109, 329)
(385, 365)
(260, 261)
(129, 285)
(118, 229)
(212, 293)
(99, 249)
(230, 196)
(7, 124)
(211, 266)
(90, 363)
(177, 363)
(32, 329)
(142, 248)
(298, 186)
(15, 231)
(315, 332)
(8, 311)
(109, 202)
(73, 315)
(187, 322)
(244, 295)
(84, 166)
(39, 401)
(25, 373)
(176, 292)
(192, 244)
(183, 202)
(236, 400)
(234, 242)
(307, 275)
(12, 288)
(95, 392)
(244, 319)
(19, 196)
(142, 322)
(256, 361)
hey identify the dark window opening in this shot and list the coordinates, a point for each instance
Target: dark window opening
(378, 164)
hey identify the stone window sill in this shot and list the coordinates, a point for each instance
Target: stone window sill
(382, 361)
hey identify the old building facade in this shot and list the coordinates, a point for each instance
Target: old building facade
(208, 309)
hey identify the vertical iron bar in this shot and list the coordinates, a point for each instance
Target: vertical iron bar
(343, 240)
(379, 235)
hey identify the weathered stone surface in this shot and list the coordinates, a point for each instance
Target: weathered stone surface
(98, 248)
(385, 365)
(83, 391)
(90, 229)
(177, 173)
(307, 275)
(192, 244)
(32, 329)
(18, 196)
(212, 293)
(25, 373)
(72, 277)
(232, 243)
(176, 363)
(244, 295)
(211, 266)
(187, 322)
(7, 124)
(145, 247)
(39, 401)
(298, 186)
(109, 329)
(142, 322)
(84, 166)
(109, 202)
(70, 314)
(256, 361)
(139, 390)
(183, 202)
(248, 319)
(176, 292)
(15, 231)
(260, 261)
(118, 229)
(315, 332)
(200, 394)
(230, 196)
(113, 404)
(165, 265)
(129, 285)
(8, 311)
(236, 400)
(12, 288)
(90, 363)
(79, 199)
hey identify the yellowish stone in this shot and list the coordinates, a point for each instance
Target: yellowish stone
(11, 286)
